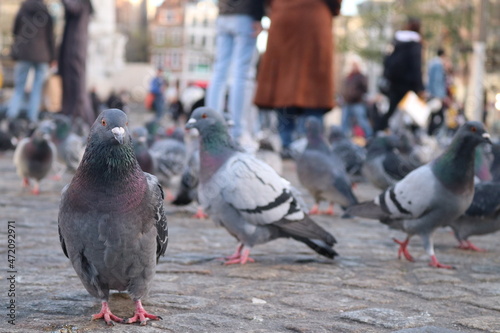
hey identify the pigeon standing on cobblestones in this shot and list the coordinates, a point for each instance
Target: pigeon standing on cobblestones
(34, 156)
(320, 173)
(481, 218)
(247, 196)
(141, 149)
(432, 195)
(384, 167)
(351, 154)
(70, 146)
(112, 223)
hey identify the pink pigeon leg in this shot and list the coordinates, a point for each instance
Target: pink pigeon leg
(36, 188)
(314, 210)
(467, 245)
(329, 211)
(141, 315)
(403, 249)
(106, 314)
(243, 258)
(435, 263)
(200, 214)
(26, 182)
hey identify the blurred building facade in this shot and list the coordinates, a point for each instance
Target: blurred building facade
(183, 39)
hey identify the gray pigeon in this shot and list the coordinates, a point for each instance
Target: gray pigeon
(140, 143)
(481, 218)
(351, 154)
(383, 166)
(70, 146)
(34, 156)
(170, 157)
(320, 173)
(432, 195)
(112, 224)
(247, 196)
(495, 165)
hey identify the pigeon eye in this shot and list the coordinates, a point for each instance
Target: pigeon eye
(204, 115)
(103, 122)
(473, 129)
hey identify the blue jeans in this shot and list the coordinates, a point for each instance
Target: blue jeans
(292, 120)
(235, 45)
(159, 106)
(21, 70)
(356, 112)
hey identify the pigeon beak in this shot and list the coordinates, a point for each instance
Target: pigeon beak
(190, 123)
(486, 137)
(119, 134)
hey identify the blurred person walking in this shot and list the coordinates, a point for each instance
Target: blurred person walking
(296, 71)
(403, 68)
(33, 47)
(157, 87)
(73, 58)
(437, 88)
(238, 25)
(354, 111)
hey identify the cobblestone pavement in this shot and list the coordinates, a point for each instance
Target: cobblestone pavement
(288, 289)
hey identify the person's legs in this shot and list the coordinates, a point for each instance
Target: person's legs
(21, 70)
(346, 119)
(395, 96)
(359, 111)
(241, 81)
(224, 49)
(36, 91)
(286, 125)
(159, 106)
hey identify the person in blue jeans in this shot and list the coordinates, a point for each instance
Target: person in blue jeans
(158, 86)
(238, 25)
(354, 110)
(33, 47)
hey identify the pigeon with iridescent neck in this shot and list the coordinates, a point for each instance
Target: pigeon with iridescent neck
(432, 195)
(247, 196)
(112, 223)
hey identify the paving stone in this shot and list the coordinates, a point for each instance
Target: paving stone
(426, 329)
(486, 323)
(387, 318)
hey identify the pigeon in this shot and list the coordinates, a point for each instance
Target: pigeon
(112, 223)
(247, 196)
(269, 154)
(495, 165)
(34, 156)
(170, 156)
(7, 141)
(70, 146)
(483, 160)
(351, 154)
(432, 195)
(140, 143)
(320, 173)
(481, 218)
(383, 166)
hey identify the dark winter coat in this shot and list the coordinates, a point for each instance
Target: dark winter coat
(33, 33)
(403, 67)
(254, 8)
(354, 88)
(297, 68)
(73, 58)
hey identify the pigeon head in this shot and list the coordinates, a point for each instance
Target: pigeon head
(43, 131)
(314, 127)
(63, 126)
(336, 134)
(473, 133)
(139, 134)
(205, 119)
(111, 128)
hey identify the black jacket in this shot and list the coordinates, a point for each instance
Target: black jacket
(404, 66)
(254, 8)
(33, 33)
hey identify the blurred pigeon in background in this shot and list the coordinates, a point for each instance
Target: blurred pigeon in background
(351, 154)
(383, 166)
(247, 196)
(432, 195)
(34, 156)
(320, 173)
(112, 223)
(70, 146)
(481, 218)
(140, 143)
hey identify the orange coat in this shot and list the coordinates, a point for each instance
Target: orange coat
(297, 68)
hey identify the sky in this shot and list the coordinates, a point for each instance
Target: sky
(349, 7)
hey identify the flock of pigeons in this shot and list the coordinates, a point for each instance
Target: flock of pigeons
(112, 221)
